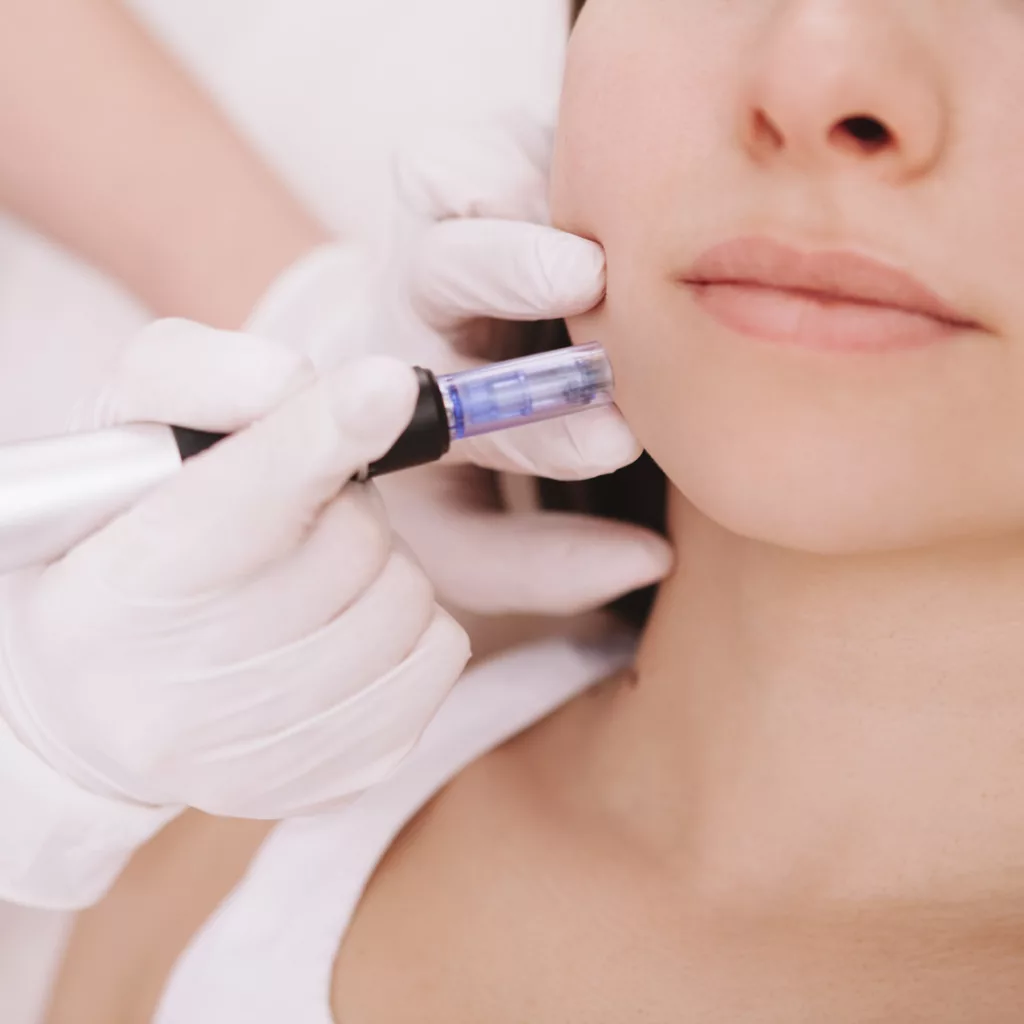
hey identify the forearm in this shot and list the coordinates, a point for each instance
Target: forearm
(107, 146)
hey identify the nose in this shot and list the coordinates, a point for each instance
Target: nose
(843, 84)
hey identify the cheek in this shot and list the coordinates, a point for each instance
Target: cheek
(638, 80)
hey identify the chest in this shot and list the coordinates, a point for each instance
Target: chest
(515, 931)
(612, 982)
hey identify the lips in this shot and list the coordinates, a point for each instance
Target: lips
(828, 300)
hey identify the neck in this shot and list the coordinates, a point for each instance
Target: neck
(848, 728)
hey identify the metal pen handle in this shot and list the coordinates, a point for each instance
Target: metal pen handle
(55, 491)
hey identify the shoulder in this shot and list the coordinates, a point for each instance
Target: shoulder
(470, 858)
(499, 726)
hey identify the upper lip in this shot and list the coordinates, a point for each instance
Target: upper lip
(830, 276)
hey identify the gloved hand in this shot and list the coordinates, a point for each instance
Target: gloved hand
(472, 248)
(248, 639)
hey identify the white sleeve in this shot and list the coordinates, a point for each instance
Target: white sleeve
(62, 847)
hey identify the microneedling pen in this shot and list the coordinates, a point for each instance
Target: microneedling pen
(56, 491)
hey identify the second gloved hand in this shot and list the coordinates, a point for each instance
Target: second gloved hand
(469, 266)
(481, 262)
(248, 639)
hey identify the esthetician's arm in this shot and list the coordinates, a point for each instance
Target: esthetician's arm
(107, 146)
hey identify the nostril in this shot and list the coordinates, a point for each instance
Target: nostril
(764, 134)
(866, 134)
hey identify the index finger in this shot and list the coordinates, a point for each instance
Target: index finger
(508, 270)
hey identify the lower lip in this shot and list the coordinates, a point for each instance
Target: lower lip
(792, 318)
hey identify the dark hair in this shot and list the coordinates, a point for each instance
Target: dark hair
(636, 494)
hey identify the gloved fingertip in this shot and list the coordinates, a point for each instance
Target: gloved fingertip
(627, 564)
(174, 330)
(550, 563)
(450, 637)
(270, 374)
(177, 371)
(604, 440)
(589, 444)
(373, 397)
(575, 271)
(646, 559)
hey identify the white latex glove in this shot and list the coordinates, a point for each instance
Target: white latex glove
(465, 255)
(247, 639)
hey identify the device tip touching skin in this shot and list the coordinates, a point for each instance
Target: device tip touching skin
(496, 397)
(56, 491)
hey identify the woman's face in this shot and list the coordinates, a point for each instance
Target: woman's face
(813, 212)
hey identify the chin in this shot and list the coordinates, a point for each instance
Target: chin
(831, 497)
